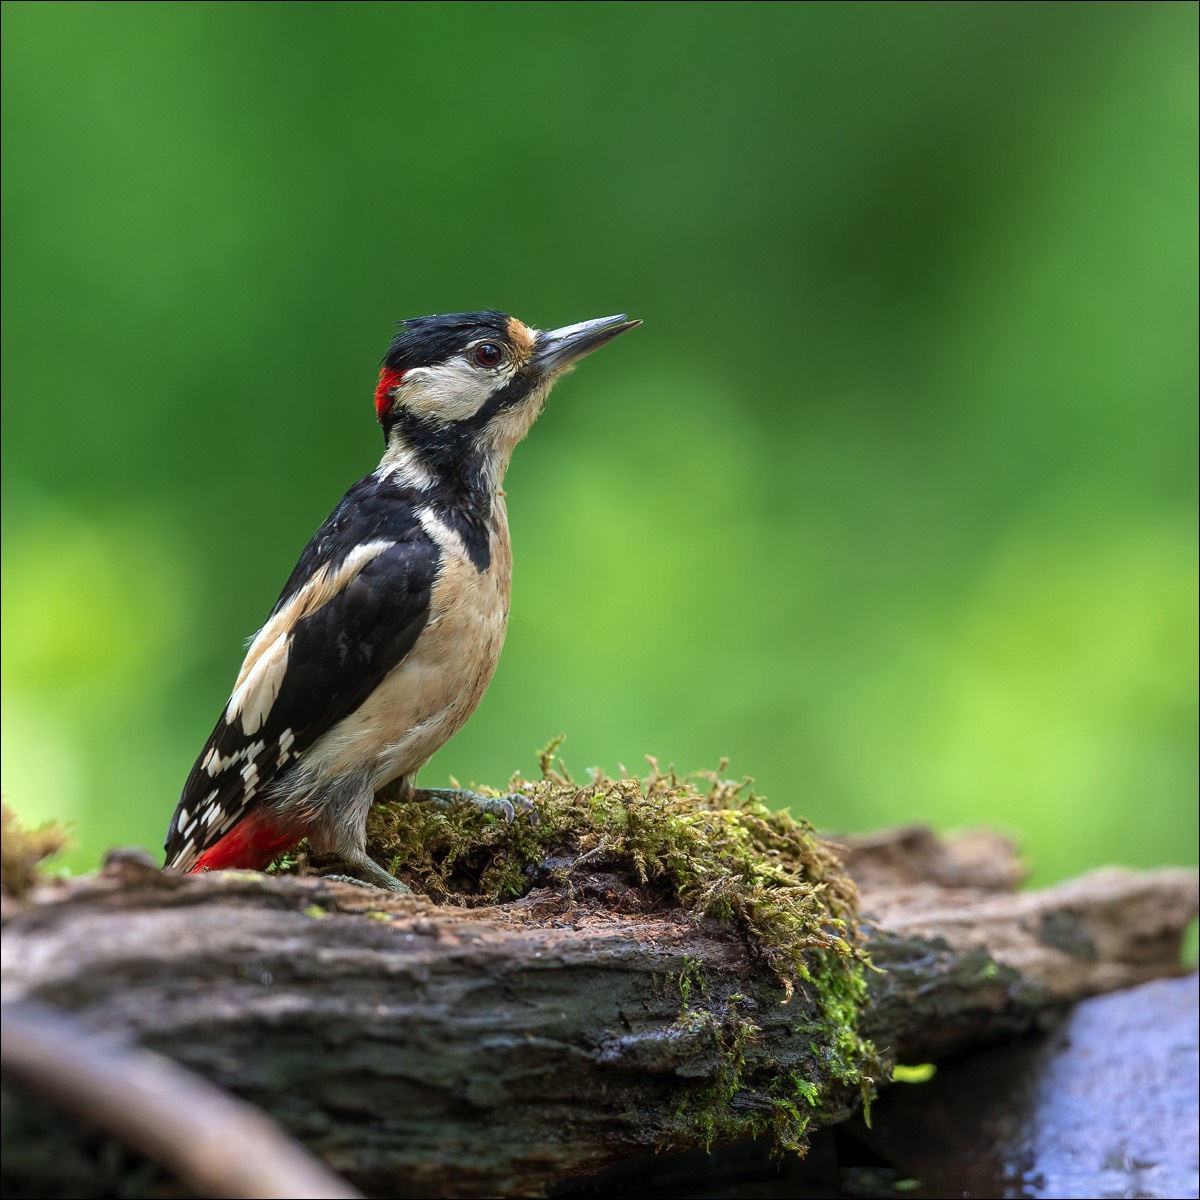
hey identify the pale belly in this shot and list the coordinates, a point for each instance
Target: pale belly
(429, 696)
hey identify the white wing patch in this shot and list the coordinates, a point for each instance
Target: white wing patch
(442, 535)
(263, 672)
(252, 698)
(265, 667)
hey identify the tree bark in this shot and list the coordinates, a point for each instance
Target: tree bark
(423, 1050)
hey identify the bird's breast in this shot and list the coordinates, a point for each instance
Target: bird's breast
(429, 696)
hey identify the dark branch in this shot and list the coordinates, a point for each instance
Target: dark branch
(426, 1050)
(216, 1144)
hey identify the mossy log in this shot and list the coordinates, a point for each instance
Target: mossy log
(421, 1048)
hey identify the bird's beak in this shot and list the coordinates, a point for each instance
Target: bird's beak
(557, 349)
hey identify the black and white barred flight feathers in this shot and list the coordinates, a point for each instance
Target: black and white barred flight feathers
(386, 635)
(352, 610)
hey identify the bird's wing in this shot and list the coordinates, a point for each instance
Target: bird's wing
(339, 627)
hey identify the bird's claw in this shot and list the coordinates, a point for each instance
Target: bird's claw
(362, 883)
(507, 806)
(501, 806)
(380, 879)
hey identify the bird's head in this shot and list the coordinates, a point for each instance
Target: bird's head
(457, 393)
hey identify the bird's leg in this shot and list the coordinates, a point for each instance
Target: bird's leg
(500, 806)
(341, 829)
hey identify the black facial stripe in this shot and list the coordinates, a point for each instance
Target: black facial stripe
(512, 393)
(459, 495)
(443, 445)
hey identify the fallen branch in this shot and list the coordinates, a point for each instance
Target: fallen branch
(421, 1049)
(217, 1145)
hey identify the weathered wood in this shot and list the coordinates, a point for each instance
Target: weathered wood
(426, 1050)
(218, 1145)
(967, 959)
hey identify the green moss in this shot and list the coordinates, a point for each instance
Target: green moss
(691, 978)
(717, 849)
(754, 1096)
(699, 1110)
(287, 863)
(23, 851)
(921, 1073)
(712, 847)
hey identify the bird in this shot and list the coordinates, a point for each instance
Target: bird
(388, 631)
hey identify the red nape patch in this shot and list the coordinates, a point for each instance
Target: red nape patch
(388, 379)
(253, 843)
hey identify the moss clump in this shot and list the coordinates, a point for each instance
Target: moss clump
(24, 850)
(712, 847)
(779, 1096)
(715, 849)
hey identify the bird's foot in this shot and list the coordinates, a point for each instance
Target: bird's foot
(379, 878)
(500, 806)
(362, 883)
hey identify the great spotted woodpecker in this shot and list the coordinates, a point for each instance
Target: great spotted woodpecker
(388, 631)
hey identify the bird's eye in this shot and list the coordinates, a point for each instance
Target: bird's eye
(488, 354)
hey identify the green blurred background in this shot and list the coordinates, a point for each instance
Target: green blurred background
(891, 500)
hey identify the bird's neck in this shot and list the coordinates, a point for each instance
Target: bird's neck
(465, 484)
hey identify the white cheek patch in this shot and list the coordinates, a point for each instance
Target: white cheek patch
(451, 391)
